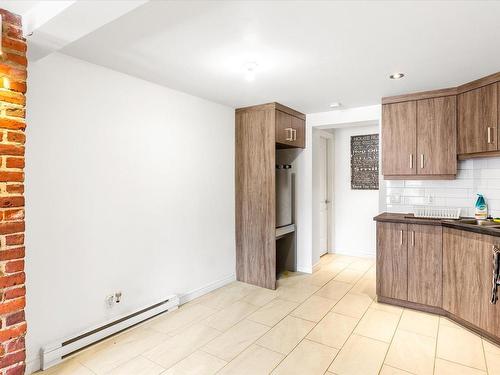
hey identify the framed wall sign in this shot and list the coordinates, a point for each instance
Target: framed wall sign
(364, 162)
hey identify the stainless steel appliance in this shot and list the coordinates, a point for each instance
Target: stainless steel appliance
(283, 195)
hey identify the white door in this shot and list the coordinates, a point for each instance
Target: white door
(324, 202)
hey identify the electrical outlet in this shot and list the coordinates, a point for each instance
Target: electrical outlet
(118, 297)
(110, 300)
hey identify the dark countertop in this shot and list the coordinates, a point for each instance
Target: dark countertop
(410, 219)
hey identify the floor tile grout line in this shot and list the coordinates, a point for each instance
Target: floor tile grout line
(461, 364)
(436, 347)
(352, 332)
(484, 355)
(392, 339)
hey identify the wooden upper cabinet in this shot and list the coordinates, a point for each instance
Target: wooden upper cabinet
(467, 278)
(283, 126)
(299, 126)
(392, 260)
(478, 120)
(290, 130)
(425, 261)
(437, 136)
(399, 121)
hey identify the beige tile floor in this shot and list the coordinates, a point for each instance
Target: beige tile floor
(324, 323)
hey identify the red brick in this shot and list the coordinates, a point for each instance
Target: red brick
(13, 215)
(15, 189)
(13, 32)
(17, 137)
(12, 358)
(10, 307)
(13, 319)
(11, 150)
(11, 280)
(12, 18)
(16, 59)
(12, 97)
(10, 254)
(15, 112)
(12, 124)
(17, 370)
(14, 239)
(14, 293)
(14, 266)
(17, 344)
(12, 176)
(14, 44)
(14, 201)
(13, 73)
(15, 163)
(13, 85)
(14, 227)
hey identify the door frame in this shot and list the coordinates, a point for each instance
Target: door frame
(329, 138)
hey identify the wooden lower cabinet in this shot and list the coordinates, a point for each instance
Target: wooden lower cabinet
(425, 260)
(392, 260)
(467, 278)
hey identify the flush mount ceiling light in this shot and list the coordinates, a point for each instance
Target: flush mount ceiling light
(396, 75)
(250, 69)
(335, 104)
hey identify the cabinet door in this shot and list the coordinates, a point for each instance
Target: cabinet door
(477, 120)
(392, 260)
(283, 127)
(299, 127)
(436, 136)
(399, 138)
(425, 260)
(467, 278)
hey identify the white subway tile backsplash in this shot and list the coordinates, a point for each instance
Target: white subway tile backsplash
(465, 174)
(473, 177)
(394, 183)
(441, 192)
(493, 163)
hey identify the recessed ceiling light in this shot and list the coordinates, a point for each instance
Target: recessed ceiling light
(396, 75)
(250, 68)
(335, 105)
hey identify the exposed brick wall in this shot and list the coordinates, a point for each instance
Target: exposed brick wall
(12, 124)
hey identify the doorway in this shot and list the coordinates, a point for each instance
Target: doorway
(324, 194)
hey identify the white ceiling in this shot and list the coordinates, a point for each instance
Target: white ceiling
(309, 53)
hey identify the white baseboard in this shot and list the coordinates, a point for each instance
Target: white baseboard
(191, 295)
(357, 253)
(33, 365)
(316, 267)
(304, 269)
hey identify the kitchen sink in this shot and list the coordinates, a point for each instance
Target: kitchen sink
(481, 223)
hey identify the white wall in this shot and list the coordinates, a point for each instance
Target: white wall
(355, 230)
(473, 177)
(129, 186)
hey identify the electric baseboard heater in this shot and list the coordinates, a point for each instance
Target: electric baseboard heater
(56, 352)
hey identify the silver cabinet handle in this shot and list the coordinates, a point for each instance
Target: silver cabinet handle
(422, 161)
(401, 239)
(411, 161)
(294, 133)
(289, 136)
(489, 134)
(412, 238)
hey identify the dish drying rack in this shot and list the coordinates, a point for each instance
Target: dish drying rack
(437, 213)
